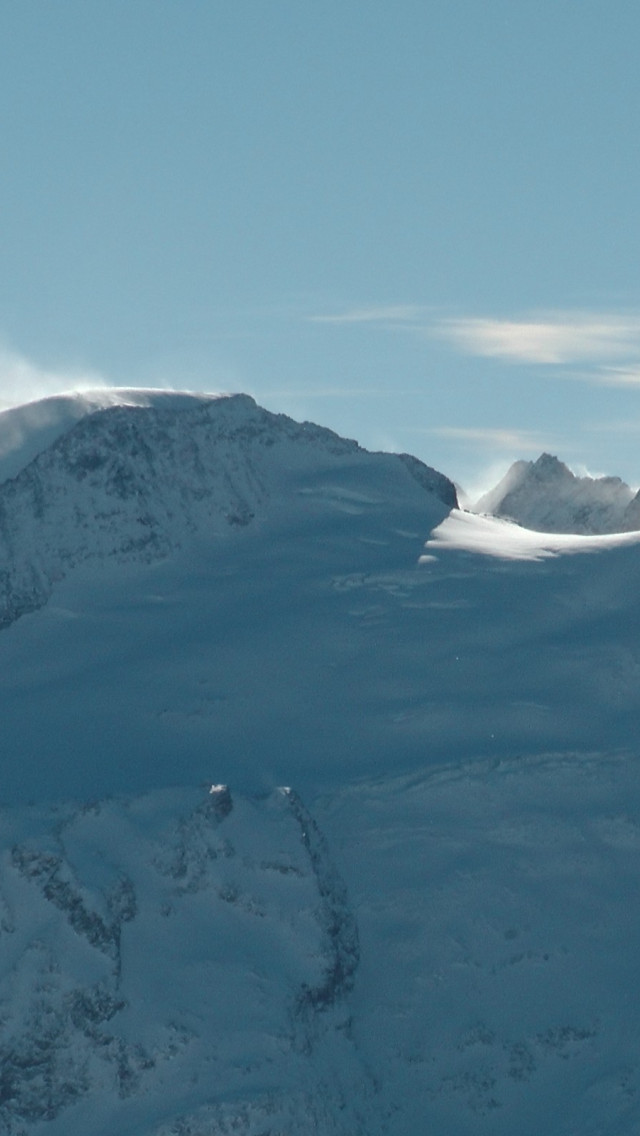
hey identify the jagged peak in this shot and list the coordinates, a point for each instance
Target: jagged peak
(548, 465)
(547, 495)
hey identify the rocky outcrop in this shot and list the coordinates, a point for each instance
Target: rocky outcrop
(338, 922)
(546, 496)
(159, 948)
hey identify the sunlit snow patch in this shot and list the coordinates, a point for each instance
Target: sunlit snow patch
(491, 536)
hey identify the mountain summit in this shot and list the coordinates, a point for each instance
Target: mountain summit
(545, 495)
(138, 480)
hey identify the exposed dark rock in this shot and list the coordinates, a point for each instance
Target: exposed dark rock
(337, 920)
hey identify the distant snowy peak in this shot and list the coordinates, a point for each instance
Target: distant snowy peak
(136, 477)
(545, 495)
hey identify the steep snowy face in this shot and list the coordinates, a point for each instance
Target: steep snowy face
(632, 514)
(545, 495)
(136, 482)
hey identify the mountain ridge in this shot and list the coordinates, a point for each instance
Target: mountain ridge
(547, 496)
(135, 481)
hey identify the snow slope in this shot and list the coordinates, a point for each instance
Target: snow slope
(413, 910)
(499, 939)
(177, 962)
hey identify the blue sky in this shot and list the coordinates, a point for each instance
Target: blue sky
(415, 222)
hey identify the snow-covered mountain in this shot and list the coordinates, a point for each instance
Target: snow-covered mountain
(320, 803)
(139, 482)
(545, 495)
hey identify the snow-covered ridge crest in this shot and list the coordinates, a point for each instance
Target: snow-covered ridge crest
(28, 429)
(136, 480)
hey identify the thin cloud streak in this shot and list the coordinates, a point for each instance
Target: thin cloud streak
(395, 314)
(618, 376)
(556, 338)
(327, 392)
(491, 437)
(563, 339)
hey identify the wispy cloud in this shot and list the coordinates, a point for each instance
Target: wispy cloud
(407, 315)
(21, 380)
(324, 392)
(617, 376)
(561, 338)
(552, 338)
(600, 348)
(493, 438)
